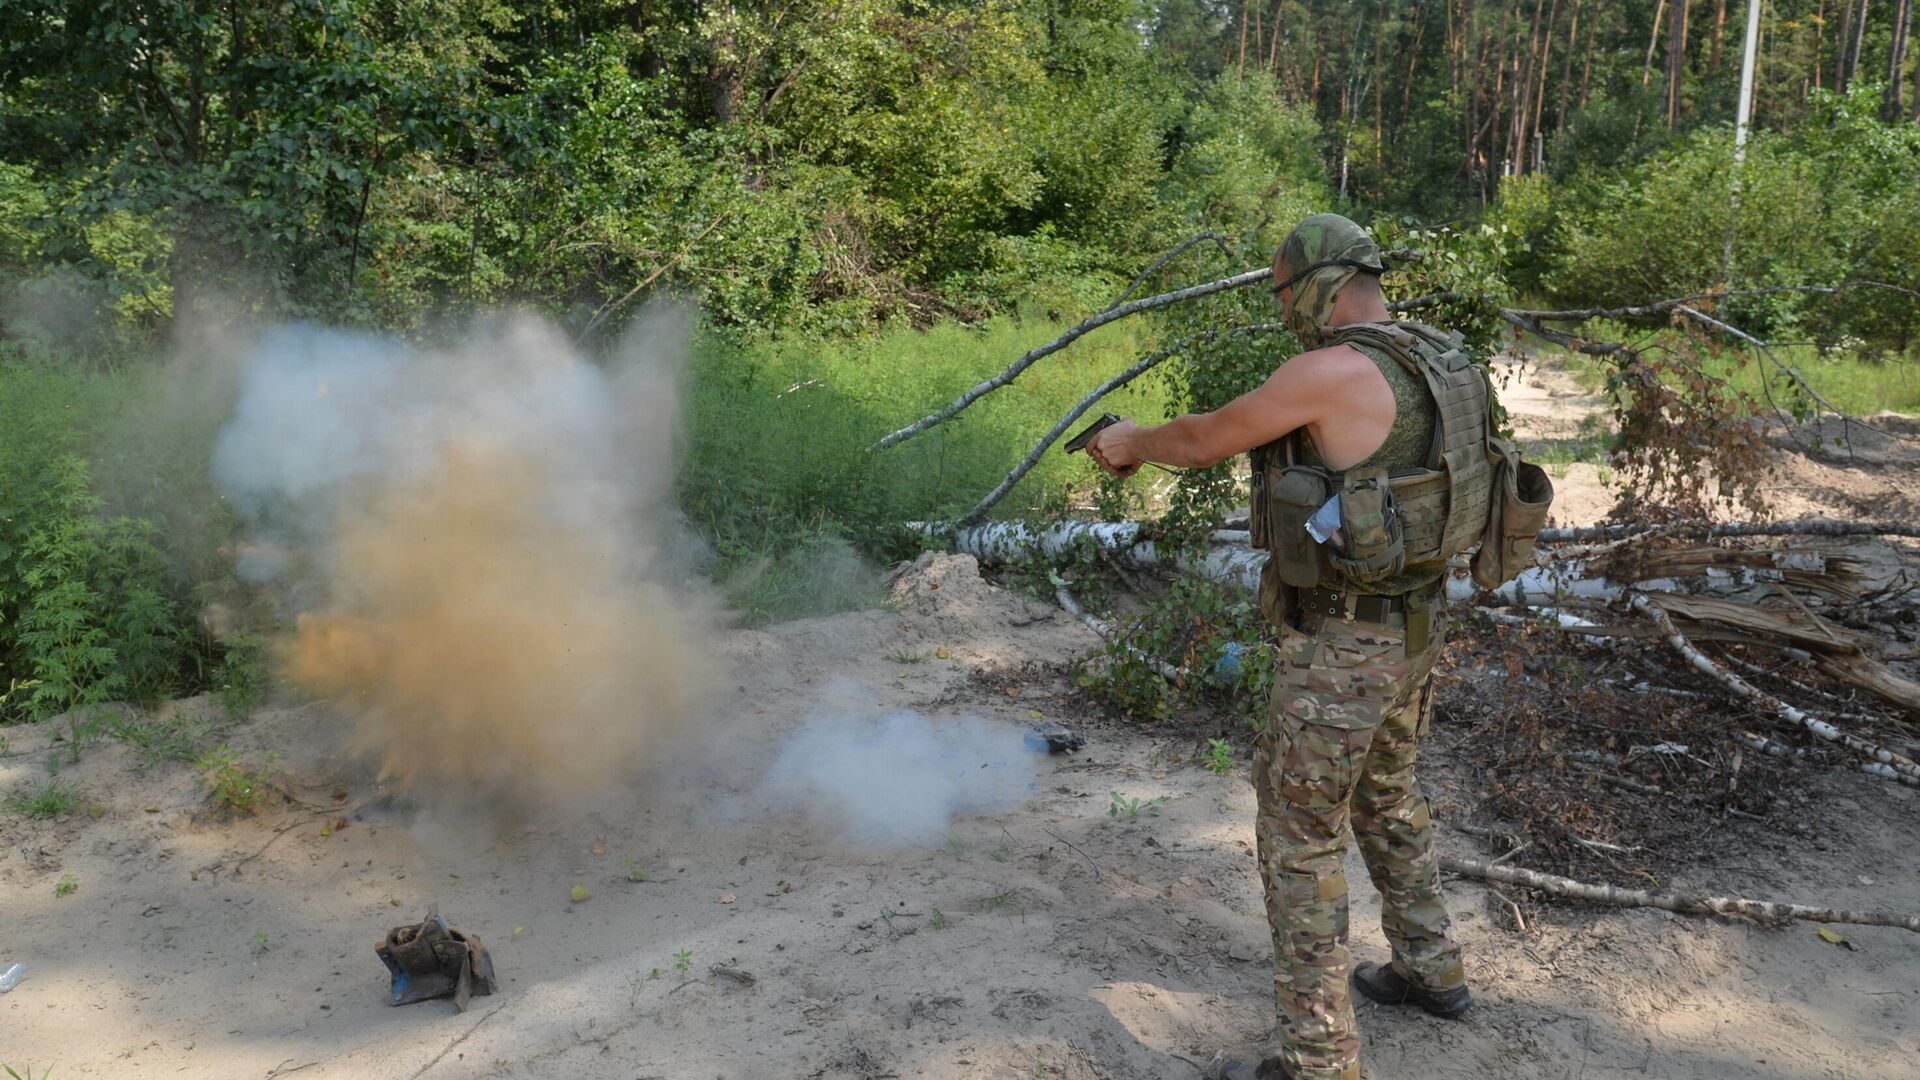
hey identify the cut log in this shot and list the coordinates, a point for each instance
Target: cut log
(1725, 906)
(1874, 677)
(1780, 625)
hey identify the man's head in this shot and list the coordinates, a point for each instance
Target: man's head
(1314, 263)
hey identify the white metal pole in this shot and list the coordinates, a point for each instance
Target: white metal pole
(1741, 122)
(1746, 82)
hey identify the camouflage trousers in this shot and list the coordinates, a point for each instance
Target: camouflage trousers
(1349, 709)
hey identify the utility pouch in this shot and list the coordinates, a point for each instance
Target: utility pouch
(1521, 497)
(1374, 547)
(1260, 457)
(1293, 495)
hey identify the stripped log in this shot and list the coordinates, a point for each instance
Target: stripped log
(1724, 906)
(1828, 527)
(1898, 766)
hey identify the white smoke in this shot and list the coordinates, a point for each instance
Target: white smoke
(900, 777)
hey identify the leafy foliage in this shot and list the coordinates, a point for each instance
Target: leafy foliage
(96, 617)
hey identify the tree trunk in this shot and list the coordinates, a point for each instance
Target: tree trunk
(1566, 68)
(1859, 39)
(1820, 46)
(1902, 29)
(1653, 42)
(1840, 55)
(1586, 65)
(1540, 87)
(1676, 60)
(1719, 35)
(1379, 86)
(1241, 67)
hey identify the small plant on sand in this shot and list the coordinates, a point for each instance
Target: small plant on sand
(66, 886)
(683, 960)
(49, 800)
(1219, 757)
(937, 920)
(1129, 808)
(230, 781)
(635, 872)
(13, 1074)
(904, 657)
(259, 942)
(1006, 900)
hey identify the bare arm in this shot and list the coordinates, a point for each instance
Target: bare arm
(1300, 393)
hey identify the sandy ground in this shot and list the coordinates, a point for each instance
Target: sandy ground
(1043, 939)
(1127, 948)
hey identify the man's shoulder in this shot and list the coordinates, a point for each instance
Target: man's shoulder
(1336, 359)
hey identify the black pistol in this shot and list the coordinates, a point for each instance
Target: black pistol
(1079, 442)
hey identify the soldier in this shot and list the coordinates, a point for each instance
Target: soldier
(1376, 438)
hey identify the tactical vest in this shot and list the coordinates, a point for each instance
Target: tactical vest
(1396, 528)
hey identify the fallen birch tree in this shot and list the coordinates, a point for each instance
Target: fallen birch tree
(1725, 906)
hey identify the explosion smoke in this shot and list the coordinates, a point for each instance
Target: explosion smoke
(881, 780)
(480, 536)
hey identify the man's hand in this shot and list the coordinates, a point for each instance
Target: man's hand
(1112, 449)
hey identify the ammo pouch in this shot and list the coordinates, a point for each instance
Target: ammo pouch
(1292, 495)
(1372, 546)
(1521, 497)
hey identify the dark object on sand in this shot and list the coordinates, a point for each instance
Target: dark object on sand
(1054, 739)
(434, 960)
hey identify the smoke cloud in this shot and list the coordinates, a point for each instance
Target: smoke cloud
(480, 539)
(899, 777)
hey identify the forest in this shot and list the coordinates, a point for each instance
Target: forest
(592, 469)
(881, 198)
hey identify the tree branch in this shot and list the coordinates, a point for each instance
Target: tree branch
(1218, 240)
(1074, 333)
(1141, 367)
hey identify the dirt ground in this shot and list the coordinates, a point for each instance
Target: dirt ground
(1046, 938)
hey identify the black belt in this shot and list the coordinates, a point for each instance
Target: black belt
(1333, 604)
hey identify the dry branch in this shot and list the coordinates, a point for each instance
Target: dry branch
(1727, 906)
(1105, 629)
(1074, 333)
(1173, 253)
(1139, 368)
(1899, 766)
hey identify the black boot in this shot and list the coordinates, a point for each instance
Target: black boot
(1383, 984)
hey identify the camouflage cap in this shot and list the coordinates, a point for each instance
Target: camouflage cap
(1320, 256)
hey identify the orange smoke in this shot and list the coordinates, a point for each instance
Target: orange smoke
(490, 641)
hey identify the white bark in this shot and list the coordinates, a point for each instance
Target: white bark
(1767, 910)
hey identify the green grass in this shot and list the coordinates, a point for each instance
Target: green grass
(779, 470)
(49, 800)
(1853, 383)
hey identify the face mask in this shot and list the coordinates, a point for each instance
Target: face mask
(1310, 313)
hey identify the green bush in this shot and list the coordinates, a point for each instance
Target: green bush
(92, 606)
